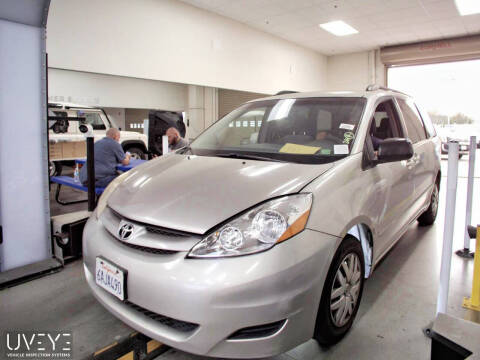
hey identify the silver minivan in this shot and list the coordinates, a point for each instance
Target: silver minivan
(260, 234)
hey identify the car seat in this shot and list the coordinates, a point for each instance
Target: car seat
(384, 131)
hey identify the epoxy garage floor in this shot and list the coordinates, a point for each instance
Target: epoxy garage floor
(399, 298)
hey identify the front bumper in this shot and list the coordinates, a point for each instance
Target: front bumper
(220, 295)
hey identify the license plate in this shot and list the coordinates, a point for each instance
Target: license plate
(111, 278)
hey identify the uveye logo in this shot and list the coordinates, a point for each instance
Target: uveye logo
(37, 345)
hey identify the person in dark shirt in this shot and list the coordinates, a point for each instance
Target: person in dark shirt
(175, 141)
(108, 153)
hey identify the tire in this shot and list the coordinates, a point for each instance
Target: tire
(54, 168)
(137, 153)
(429, 216)
(331, 326)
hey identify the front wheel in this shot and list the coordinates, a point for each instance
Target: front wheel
(341, 294)
(429, 216)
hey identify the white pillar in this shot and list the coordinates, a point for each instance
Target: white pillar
(471, 174)
(164, 145)
(24, 196)
(445, 266)
(202, 109)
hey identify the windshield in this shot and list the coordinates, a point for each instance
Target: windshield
(305, 130)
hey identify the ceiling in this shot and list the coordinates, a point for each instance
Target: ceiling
(379, 22)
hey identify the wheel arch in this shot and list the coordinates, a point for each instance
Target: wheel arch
(127, 144)
(363, 233)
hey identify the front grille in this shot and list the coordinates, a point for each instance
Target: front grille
(151, 228)
(148, 249)
(179, 325)
(165, 232)
(259, 331)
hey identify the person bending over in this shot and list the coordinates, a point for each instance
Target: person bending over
(108, 153)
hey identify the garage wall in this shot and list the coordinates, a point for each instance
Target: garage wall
(135, 116)
(355, 71)
(228, 100)
(172, 41)
(115, 91)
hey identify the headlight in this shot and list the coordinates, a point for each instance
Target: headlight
(258, 229)
(102, 202)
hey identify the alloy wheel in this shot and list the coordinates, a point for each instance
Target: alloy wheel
(345, 290)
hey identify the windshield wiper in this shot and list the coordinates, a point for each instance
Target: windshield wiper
(247, 156)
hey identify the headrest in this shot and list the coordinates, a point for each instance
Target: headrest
(384, 124)
(324, 121)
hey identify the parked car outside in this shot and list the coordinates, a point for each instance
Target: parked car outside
(447, 134)
(261, 233)
(67, 143)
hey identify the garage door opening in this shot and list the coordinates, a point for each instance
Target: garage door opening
(448, 91)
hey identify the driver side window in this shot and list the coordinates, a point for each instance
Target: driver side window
(384, 124)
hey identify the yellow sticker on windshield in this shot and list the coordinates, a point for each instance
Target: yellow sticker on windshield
(299, 149)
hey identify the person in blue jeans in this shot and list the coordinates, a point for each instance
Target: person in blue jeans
(108, 153)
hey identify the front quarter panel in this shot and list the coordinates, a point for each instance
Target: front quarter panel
(345, 196)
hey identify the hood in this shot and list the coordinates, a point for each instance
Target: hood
(195, 193)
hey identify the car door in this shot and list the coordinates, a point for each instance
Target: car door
(393, 181)
(422, 162)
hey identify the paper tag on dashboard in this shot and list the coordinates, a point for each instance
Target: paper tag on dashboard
(290, 148)
(347, 126)
(340, 149)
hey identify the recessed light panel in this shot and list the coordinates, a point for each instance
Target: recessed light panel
(338, 28)
(468, 7)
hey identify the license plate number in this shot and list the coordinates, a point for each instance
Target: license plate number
(111, 278)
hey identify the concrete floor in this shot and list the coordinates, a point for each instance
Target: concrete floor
(399, 299)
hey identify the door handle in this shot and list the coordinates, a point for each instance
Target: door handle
(416, 158)
(413, 161)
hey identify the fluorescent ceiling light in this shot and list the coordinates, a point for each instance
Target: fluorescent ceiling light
(468, 7)
(338, 28)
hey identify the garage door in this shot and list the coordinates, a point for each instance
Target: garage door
(430, 52)
(228, 100)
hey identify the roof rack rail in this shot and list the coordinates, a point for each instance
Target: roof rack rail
(284, 92)
(373, 87)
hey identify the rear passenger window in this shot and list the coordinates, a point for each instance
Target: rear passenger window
(413, 122)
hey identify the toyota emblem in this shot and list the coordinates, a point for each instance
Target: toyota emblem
(125, 231)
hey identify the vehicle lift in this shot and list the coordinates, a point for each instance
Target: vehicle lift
(67, 229)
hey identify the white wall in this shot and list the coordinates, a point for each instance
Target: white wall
(115, 91)
(355, 71)
(172, 41)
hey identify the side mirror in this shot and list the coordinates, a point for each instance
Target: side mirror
(394, 149)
